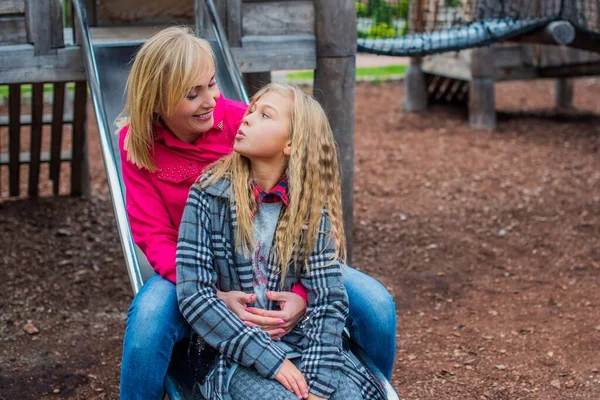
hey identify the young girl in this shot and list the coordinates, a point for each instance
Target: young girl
(177, 122)
(243, 230)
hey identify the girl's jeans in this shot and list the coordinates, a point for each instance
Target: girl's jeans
(154, 325)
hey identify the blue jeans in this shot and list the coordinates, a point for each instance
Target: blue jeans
(154, 325)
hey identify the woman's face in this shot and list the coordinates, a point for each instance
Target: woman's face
(265, 130)
(194, 113)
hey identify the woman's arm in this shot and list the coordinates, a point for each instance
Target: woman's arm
(151, 226)
(327, 311)
(205, 312)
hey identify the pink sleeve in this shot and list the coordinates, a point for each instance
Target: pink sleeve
(300, 290)
(149, 219)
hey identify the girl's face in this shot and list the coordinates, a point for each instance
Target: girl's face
(194, 113)
(265, 130)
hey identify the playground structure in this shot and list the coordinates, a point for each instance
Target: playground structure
(525, 39)
(247, 36)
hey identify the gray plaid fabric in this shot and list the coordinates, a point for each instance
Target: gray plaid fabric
(247, 384)
(207, 260)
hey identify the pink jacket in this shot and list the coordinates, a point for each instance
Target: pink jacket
(155, 201)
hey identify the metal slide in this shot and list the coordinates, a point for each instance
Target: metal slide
(107, 65)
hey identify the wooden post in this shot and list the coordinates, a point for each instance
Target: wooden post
(334, 87)
(255, 81)
(37, 111)
(58, 108)
(482, 108)
(90, 10)
(80, 167)
(44, 20)
(415, 87)
(14, 135)
(564, 90)
(199, 17)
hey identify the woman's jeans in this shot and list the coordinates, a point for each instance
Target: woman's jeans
(154, 325)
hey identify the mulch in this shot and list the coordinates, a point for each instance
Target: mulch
(489, 242)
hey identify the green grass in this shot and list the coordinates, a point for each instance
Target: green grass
(377, 73)
(26, 89)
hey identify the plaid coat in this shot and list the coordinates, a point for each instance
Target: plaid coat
(207, 260)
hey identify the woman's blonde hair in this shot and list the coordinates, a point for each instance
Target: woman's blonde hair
(313, 179)
(164, 71)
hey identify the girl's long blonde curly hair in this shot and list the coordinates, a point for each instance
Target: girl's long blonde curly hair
(313, 179)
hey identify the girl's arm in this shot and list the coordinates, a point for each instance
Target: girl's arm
(205, 312)
(327, 311)
(149, 219)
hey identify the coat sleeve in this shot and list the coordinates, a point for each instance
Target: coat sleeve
(196, 292)
(151, 225)
(323, 359)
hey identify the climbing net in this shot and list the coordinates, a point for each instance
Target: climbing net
(418, 27)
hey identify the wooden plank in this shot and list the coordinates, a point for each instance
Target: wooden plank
(120, 11)
(234, 22)
(14, 137)
(26, 119)
(58, 108)
(271, 53)
(25, 158)
(123, 34)
(18, 65)
(80, 163)
(450, 67)
(37, 109)
(12, 30)
(278, 18)
(37, 15)
(12, 7)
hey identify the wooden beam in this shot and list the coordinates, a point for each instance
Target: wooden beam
(14, 137)
(555, 33)
(37, 109)
(279, 18)
(12, 7)
(271, 53)
(19, 65)
(334, 87)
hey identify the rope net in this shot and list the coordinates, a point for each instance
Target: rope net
(419, 27)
